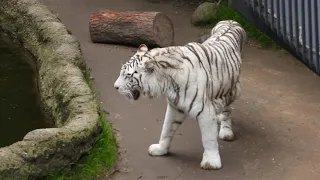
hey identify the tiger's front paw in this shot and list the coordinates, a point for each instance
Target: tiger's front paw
(157, 150)
(211, 162)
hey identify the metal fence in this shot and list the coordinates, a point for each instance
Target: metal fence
(294, 24)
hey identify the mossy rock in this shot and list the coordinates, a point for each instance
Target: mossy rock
(66, 98)
(204, 14)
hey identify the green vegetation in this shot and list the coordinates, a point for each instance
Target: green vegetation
(225, 12)
(103, 155)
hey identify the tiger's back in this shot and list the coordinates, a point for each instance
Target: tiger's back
(219, 60)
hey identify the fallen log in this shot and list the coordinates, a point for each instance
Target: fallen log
(154, 29)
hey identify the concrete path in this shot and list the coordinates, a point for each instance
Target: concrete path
(277, 119)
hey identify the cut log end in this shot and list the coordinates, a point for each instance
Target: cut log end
(163, 30)
(131, 28)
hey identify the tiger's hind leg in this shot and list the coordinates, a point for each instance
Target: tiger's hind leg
(173, 119)
(224, 118)
(209, 134)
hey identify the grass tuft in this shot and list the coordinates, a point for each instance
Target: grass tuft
(102, 157)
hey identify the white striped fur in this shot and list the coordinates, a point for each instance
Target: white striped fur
(199, 80)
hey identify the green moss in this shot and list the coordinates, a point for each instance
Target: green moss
(102, 157)
(225, 12)
(88, 78)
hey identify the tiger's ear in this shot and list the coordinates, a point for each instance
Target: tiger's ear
(142, 48)
(147, 66)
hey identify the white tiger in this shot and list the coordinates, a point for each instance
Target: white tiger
(199, 81)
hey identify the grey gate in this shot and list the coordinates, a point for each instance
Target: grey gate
(293, 24)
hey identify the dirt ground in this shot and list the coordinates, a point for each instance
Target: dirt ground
(276, 120)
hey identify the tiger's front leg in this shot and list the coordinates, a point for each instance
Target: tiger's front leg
(173, 120)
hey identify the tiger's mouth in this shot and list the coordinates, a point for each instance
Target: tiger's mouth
(135, 94)
(131, 94)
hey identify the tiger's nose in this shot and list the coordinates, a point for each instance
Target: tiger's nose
(116, 85)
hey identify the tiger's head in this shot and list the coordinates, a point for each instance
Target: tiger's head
(128, 82)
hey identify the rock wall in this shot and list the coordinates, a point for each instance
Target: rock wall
(66, 98)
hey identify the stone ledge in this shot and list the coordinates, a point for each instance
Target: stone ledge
(65, 96)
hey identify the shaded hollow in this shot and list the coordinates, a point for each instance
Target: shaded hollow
(19, 94)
